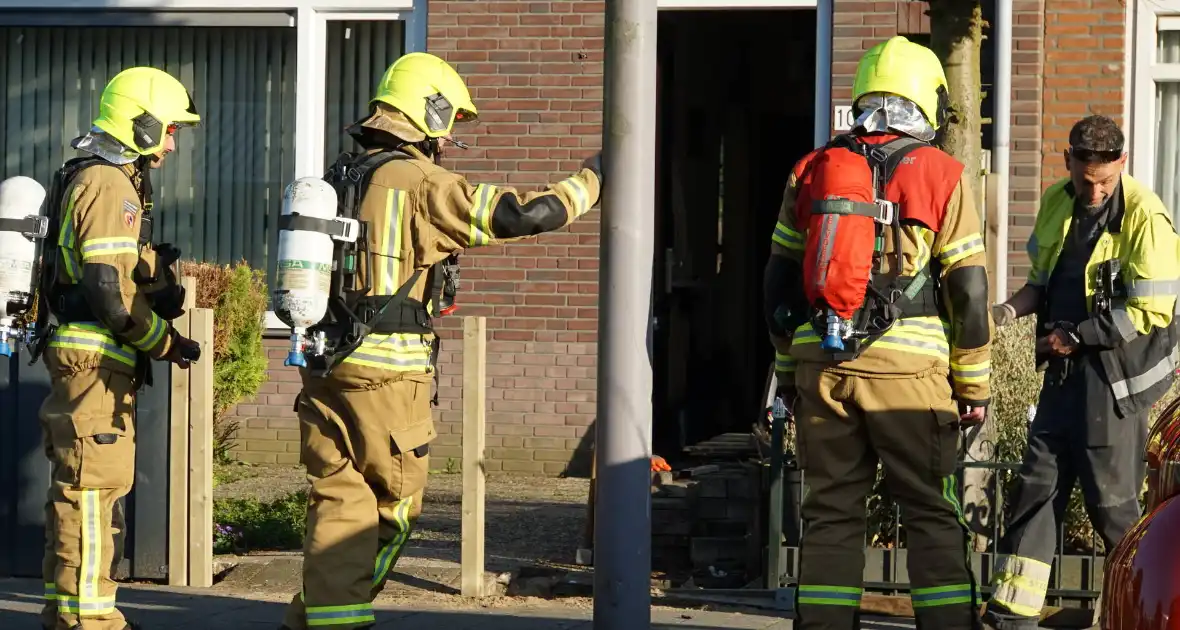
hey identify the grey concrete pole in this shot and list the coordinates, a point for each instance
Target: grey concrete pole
(622, 531)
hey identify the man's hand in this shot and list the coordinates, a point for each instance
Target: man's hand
(971, 416)
(183, 352)
(1058, 343)
(1003, 314)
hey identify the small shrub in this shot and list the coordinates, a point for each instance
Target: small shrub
(252, 525)
(237, 296)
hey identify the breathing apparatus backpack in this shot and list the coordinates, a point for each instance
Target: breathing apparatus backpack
(352, 314)
(847, 216)
(59, 304)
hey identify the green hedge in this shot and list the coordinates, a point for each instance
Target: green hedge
(237, 294)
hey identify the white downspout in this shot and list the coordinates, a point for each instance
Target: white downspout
(823, 72)
(1002, 140)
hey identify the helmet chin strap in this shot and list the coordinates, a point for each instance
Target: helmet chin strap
(144, 165)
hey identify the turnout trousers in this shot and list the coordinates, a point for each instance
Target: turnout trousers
(846, 423)
(88, 428)
(1061, 452)
(366, 494)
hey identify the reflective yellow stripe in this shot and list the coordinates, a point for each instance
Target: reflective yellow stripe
(971, 372)
(783, 362)
(65, 243)
(390, 553)
(92, 338)
(923, 258)
(340, 615)
(389, 270)
(926, 336)
(1020, 585)
(942, 595)
(154, 334)
(51, 591)
(824, 595)
(481, 216)
(787, 237)
(113, 246)
(86, 606)
(960, 249)
(91, 553)
(576, 191)
(399, 352)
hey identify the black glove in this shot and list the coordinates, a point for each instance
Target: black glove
(594, 163)
(168, 303)
(166, 254)
(183, 352)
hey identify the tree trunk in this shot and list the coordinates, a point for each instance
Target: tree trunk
(956, 31)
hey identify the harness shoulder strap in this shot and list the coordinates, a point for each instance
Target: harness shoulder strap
(350, 176)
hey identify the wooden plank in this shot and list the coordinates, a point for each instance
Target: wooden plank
(474, 411)
(200, 528)
(178, 454)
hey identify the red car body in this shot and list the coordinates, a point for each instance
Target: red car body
(1141, 585)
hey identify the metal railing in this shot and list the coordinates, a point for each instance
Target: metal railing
(1076, 578)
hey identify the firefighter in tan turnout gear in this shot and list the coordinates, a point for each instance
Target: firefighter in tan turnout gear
(876, 297)
(103, 315)
(364, 412)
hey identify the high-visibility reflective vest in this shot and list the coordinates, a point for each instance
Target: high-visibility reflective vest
(1138, 333)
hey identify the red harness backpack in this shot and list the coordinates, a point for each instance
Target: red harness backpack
(847, 214)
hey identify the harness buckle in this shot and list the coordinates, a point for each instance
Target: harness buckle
(885, 211)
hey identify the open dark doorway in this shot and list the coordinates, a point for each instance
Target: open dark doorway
(736, 110)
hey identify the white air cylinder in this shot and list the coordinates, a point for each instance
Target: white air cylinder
(305, 262)
(20, 197)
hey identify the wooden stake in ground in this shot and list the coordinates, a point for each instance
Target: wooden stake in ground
(474, 409)
(200, 529)
(178, 465)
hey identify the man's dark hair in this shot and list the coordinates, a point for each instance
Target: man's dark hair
(1096, 139)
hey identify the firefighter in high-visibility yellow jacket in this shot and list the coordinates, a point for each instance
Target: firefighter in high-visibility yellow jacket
(109, 325)
(902, 400)
(366, 427)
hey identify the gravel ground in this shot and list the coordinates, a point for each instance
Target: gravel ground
(529, 520)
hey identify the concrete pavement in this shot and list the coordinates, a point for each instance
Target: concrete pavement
(160, 607)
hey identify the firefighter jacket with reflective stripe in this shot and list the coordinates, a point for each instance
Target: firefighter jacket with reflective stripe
(419, 213)
(959, 337)
(99, 252)
(1136, 339)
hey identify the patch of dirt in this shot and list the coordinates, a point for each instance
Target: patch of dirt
(529, 520)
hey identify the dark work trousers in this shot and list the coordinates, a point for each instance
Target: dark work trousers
(845, 425)
(1060, 452)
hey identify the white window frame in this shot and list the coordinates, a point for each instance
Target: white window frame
(310, 19)
(1148, 17)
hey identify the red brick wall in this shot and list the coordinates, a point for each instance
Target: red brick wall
(535, 71)
(1084, 70)
(1024, 183)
